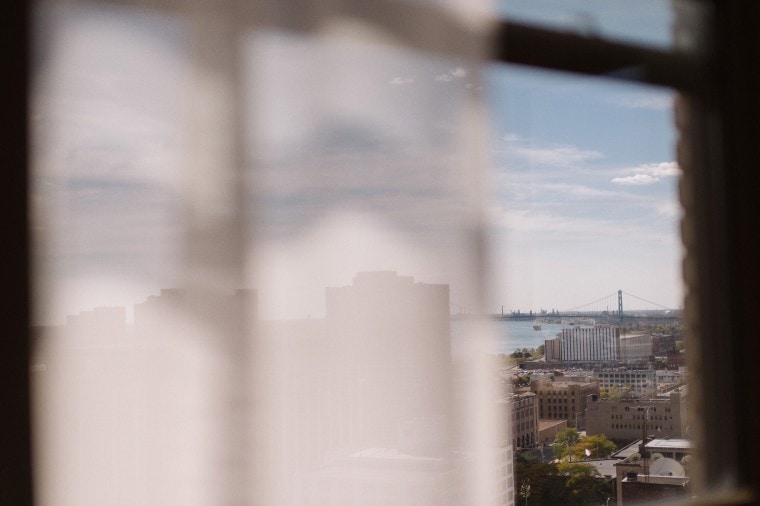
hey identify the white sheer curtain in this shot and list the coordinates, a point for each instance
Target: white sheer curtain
(253, 223)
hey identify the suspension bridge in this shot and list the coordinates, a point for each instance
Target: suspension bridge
(609, 307)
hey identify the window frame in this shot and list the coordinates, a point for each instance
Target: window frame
(15, 424)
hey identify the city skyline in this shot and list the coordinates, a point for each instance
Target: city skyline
(126, 312)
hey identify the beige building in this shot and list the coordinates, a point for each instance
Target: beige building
(564, 400)
(547, 430)
(631, 382)
(624, 419)
(524, 412)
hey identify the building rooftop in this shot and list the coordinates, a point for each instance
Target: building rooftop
(658, 480)
(544, 423)
(656, 445)
(605, 467)
(670, 445)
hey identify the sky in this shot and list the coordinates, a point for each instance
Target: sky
(359, 156)
(585, 199)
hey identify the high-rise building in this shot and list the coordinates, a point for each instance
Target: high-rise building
(584, 342)
(391, 346)
(104, 319)
(590, 343)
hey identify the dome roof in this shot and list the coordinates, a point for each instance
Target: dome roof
(666, 467)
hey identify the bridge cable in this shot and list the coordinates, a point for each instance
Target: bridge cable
(647, 301)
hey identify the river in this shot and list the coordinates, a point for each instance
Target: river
(509, 335)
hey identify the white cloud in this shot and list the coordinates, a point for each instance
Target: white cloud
(554, 227)
(401, 80)
(559, 155)
(457, 73)
(662, 169)
(649, 173)
(578, 190)
(670, 209)
(636, 180)
(554, 155)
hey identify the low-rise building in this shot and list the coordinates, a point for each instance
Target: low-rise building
(624, 420)
(669, 379)
(630, 382)
(652, 470)
(548, 429)
(564, 400)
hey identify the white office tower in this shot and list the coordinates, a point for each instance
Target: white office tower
(590, 343)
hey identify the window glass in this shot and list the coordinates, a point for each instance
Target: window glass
(585, 196)
(585, 217)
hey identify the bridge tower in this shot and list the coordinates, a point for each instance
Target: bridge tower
(620, 305)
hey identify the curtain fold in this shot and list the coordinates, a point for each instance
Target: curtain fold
(254, 221)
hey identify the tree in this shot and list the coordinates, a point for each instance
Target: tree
(587, 447)
(613, 392)
(584, 484)
(598, 446)
(530, 469)
(566, 438)
(559, 483)
(570, 446)
(525, 490)
(521, 380)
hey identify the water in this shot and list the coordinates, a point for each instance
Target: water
(510, 335)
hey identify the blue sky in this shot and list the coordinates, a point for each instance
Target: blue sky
(644, 22)
(586, 190)
(364, 158)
